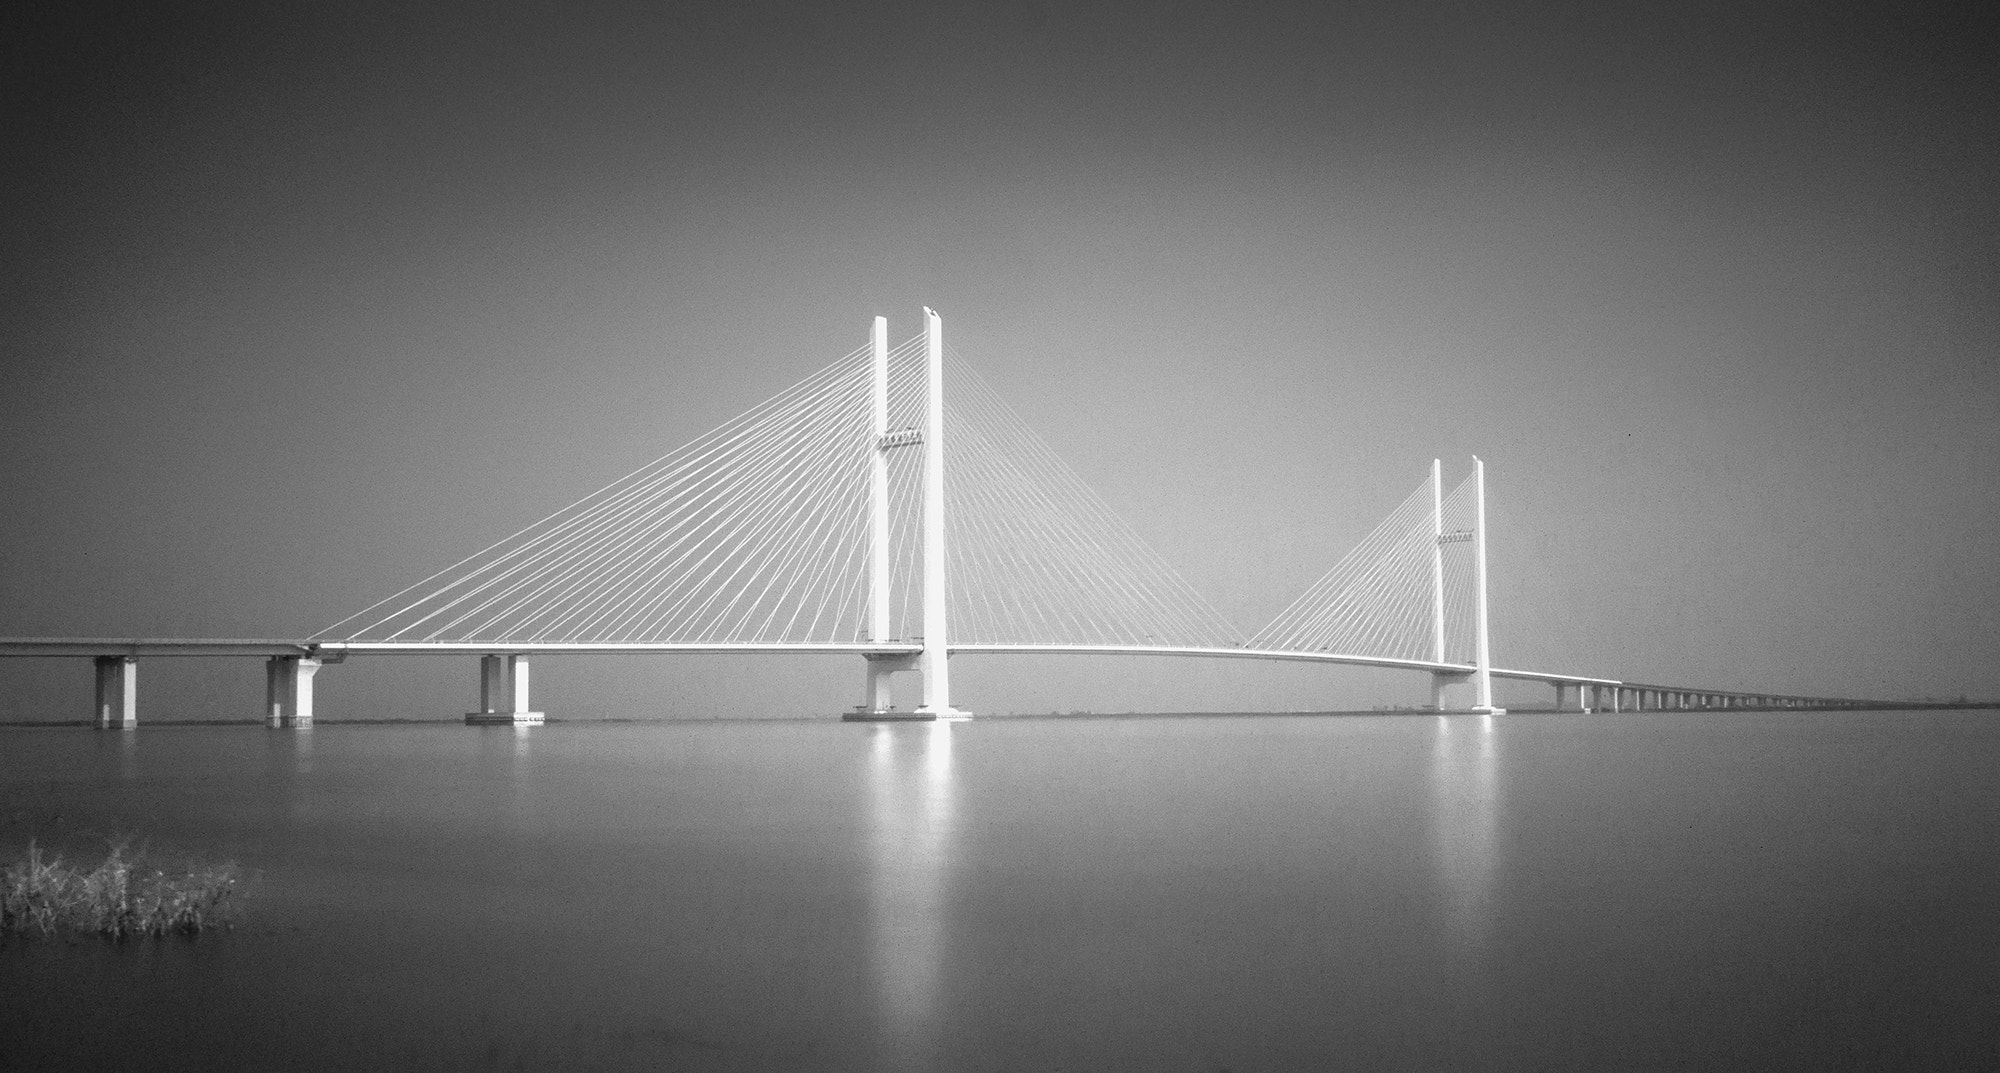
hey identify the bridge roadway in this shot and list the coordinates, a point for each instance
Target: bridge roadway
(117, 690)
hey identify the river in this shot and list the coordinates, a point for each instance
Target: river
(1537, 891)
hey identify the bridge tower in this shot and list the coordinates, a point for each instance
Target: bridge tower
(933, 662)
(1461, 691)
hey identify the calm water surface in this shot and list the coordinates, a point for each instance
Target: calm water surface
(1398, 892)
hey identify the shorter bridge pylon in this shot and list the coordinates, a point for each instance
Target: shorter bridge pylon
(1472, 690)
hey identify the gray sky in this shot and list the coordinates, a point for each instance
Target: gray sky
(301, 307)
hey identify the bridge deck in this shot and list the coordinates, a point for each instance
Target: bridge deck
(338, 650)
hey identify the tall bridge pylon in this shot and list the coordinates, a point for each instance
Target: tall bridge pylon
(933, 661)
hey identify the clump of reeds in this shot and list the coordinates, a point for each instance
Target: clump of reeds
(126, 896)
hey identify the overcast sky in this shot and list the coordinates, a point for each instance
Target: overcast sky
(300, 307)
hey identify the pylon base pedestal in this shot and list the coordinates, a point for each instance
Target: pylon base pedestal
(504, 719)
(887, 715)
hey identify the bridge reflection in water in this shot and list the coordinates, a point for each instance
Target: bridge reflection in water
(913, 827)
(1465, 819)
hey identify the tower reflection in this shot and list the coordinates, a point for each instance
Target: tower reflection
(912, 832)
(1465, 818)
(128, 752)
(302, 749)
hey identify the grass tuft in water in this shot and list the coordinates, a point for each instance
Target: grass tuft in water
(127, 896)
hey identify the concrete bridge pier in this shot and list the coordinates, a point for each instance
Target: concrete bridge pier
(1570, 697)
(879, 704)
(503, 693)
(117, 692)
(1451, 691)
(288, 691)
(1458, 691)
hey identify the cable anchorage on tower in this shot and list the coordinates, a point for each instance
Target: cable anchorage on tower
(902, 437)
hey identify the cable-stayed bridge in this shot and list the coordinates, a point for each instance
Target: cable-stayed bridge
(869, 510)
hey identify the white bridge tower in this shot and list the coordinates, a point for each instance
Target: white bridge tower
(1461, 691)
(933, 661)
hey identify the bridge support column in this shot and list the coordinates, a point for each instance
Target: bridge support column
(117, 692)
(1454, 691)
(879, 704)
(1569, 697)
(288, 691)
(1482, 654)
(503, 693)
(935, 660)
